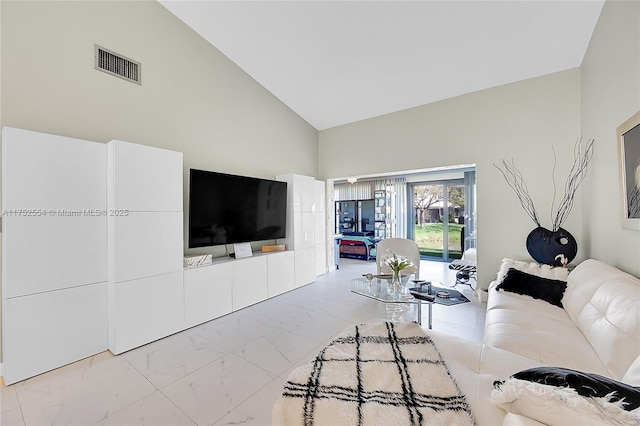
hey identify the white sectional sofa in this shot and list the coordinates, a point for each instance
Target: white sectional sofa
(596, 331)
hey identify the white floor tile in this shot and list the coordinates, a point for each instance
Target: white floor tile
(8, 398)
(276, 350)
(233, 330)
(154, 410)
(213, 391)
(298, 319)
(10, 412)
(169, 359)
(11, 417)
(256, 410)
(226, 371)
(82, 393)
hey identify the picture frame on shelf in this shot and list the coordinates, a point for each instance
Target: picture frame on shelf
(242, 250)
(629, 165)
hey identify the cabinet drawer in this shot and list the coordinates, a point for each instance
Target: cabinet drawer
(353, 249)
(208, 293)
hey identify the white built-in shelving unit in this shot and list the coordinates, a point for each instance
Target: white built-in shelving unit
(306, 226)
(54, 251)
(103, 267)
(146, 299)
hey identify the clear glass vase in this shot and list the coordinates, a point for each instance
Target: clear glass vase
(398, 291)
(396, 283)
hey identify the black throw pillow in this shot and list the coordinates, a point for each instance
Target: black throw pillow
(537, 287)
(585, 384)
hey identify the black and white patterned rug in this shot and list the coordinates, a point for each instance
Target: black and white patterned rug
(375, 374)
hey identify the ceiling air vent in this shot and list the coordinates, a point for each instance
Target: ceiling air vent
(118, 65)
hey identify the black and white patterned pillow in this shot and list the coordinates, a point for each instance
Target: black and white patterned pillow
(561, 396)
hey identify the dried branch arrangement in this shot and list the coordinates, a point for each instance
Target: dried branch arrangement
(514, 178)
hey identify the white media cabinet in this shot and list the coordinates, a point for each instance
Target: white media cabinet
(74, 285)
(243, 282)
(227, 284)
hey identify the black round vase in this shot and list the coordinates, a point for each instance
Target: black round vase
(545, 246)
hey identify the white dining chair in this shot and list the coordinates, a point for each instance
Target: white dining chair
(401, 247)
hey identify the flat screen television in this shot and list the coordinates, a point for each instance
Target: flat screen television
(228, 209)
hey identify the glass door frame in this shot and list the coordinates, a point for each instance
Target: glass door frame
(446, 183)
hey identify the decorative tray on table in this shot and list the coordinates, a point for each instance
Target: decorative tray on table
(384, 276)
(422, 291)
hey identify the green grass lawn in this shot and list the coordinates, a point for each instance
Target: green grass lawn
(430, 239)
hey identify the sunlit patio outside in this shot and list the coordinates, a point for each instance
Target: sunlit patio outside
(430, 238)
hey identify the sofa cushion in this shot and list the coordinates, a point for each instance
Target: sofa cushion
(546, 289)
(541, 338)
(604, 303)
(537, 330)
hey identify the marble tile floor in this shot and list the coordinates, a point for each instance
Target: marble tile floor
(227, 371)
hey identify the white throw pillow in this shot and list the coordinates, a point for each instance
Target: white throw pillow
(559, 406)
(533, 268)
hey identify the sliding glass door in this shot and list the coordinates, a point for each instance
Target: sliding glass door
(440, 212)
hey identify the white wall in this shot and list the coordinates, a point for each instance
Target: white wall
(610, 94)
(520, 121)
(192, 98)
(223, 120)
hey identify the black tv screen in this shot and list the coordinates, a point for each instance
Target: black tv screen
(228, 209)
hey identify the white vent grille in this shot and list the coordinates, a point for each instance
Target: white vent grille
(117, 65)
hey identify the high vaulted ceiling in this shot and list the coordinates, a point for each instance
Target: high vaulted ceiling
(336, 62)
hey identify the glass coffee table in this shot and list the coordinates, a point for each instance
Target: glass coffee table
(379, 289)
